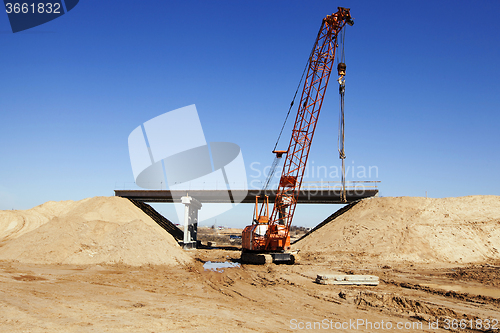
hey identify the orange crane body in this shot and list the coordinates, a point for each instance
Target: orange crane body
(271, 232)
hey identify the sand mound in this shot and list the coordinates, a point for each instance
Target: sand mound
(465, 229)
(91, 231)
(14, 223)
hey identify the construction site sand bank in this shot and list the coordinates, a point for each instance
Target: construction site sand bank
(414, 229)
(96, 230)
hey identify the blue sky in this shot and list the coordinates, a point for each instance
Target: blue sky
(422, 92)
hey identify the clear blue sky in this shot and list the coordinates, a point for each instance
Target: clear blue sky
(422, 92)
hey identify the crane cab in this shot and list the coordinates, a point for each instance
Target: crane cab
(264, 243)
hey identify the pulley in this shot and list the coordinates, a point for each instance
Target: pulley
(341, 67)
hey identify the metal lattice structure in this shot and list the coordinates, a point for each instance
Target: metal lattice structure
(318, 74)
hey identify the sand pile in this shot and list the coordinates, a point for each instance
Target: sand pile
(464, 229)
(14, 223)
(95, 230)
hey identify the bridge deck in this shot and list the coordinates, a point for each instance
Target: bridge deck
(310, 196)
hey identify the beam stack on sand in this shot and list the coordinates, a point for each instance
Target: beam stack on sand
(343, 279)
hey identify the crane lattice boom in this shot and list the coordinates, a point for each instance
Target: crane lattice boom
(319, 67)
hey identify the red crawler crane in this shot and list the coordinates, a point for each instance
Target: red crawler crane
(268, 237)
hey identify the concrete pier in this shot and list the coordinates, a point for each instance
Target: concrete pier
(191, 208)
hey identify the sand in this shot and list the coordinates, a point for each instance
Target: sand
(96, 230)
(413, 229)
(248, 298)
(14, 223)
(112, 230)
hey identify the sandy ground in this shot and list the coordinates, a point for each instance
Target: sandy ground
(96, 230)
(413, 230)
(119, 298)
(122, 290)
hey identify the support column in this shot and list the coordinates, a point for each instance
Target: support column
(191, 208)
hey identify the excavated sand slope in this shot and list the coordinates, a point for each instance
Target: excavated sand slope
(18, 222)
(91, 231)
(464, 229)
